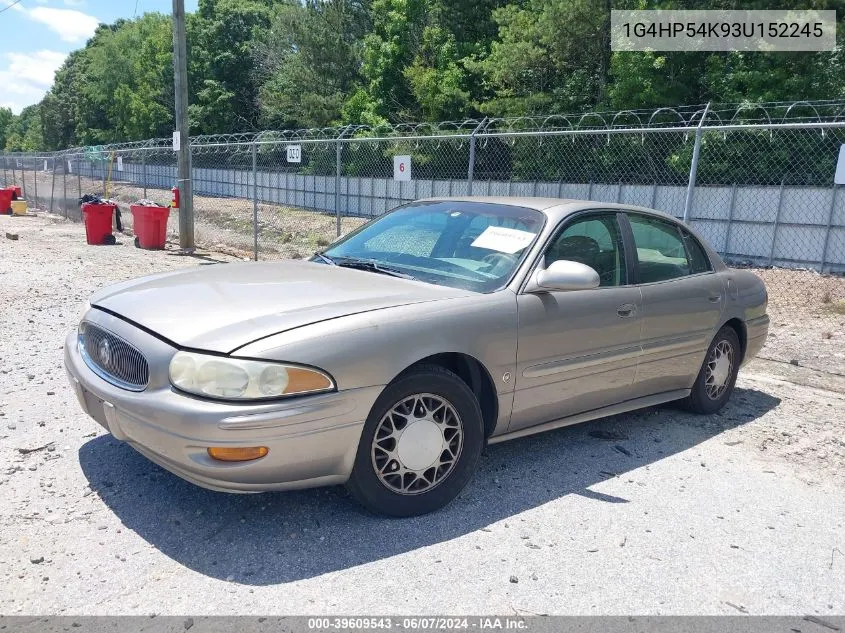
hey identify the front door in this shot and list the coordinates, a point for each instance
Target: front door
(578, 350)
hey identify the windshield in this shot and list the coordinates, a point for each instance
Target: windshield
(468, 245)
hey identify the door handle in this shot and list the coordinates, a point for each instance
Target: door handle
(714, 298)
(626, 310)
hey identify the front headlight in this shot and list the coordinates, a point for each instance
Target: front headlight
(238, 379)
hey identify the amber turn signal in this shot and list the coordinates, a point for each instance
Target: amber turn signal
(237, 454)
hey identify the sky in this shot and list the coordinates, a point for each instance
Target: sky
(37, 35)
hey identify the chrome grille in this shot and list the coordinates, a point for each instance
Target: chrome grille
(112, 358)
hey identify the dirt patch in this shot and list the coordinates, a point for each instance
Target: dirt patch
(807, 312)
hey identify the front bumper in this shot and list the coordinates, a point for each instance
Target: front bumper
(312, 440)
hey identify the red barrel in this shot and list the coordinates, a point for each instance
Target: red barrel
(98, 219)
(17, 191)
(6, 200)
(150, 225)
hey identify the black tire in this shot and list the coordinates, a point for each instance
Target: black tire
(367, 486)
(110, 240)
(705, 398)
(137, 243)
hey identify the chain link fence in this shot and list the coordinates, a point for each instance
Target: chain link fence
(757, 181)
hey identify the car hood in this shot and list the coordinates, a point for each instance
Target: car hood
(225, 306)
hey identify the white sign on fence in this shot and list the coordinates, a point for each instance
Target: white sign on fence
(45, 164)
(401, 168)
(120, 163)
(839, 177)
(177, 141)
(69, 167)
(294, 153)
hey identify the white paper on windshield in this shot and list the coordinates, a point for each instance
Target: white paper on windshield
(502, 239)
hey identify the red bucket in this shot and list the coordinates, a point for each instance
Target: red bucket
(6, 200)
(150, 225)
(98, 221)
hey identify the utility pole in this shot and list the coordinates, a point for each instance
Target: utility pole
(180, 79)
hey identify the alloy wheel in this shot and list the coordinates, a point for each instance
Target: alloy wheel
(719, 369)
(417, 443)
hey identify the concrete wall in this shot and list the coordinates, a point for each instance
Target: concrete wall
(784, 226)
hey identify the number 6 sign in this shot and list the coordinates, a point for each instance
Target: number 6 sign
(401, 168)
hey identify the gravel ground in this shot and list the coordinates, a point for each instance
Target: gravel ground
(675, 514)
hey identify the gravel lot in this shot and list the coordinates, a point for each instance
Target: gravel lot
(734, 513)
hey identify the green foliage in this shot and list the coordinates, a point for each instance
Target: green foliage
(24, 132)
(6, 118)
(258, 64)
(221, 47)
(309, 62)
(550, 56)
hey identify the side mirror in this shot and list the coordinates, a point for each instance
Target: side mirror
(565, 275)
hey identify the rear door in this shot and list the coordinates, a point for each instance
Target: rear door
(683, 301)
(578, 349)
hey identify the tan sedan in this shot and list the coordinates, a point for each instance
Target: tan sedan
(389, 359)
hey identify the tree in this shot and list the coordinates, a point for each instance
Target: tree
(309, 62)
(550, 56)
(6, 118)
(24, 131)
(221, 45)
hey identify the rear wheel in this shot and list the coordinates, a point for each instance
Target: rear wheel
(717, 376)
(420, 444)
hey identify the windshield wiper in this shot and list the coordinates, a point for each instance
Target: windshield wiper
(370, 265)
(325, 258)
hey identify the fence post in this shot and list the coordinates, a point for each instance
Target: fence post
(693, 170)
(471, 166)
(64, 185)
(730, 220)
(144, 171)
(5, 175)
(777, 220)
(53, 184)
(35, 183)
(337, 184)
(79, 175)
(14, 177)
(23, 177)
(255, 200)
(829, 226)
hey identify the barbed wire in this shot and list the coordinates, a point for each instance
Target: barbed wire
(684, 116)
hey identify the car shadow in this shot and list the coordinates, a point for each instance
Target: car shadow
(274, 538)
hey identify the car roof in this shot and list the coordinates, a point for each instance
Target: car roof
(555, 208)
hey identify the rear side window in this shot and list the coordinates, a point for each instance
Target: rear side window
(699, 262)
(661, 252)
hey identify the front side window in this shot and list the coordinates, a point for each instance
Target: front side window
(471, 245)
(661, 251)
(595, 241)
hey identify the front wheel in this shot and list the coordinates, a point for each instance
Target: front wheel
(717, 377)
(420, 444)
